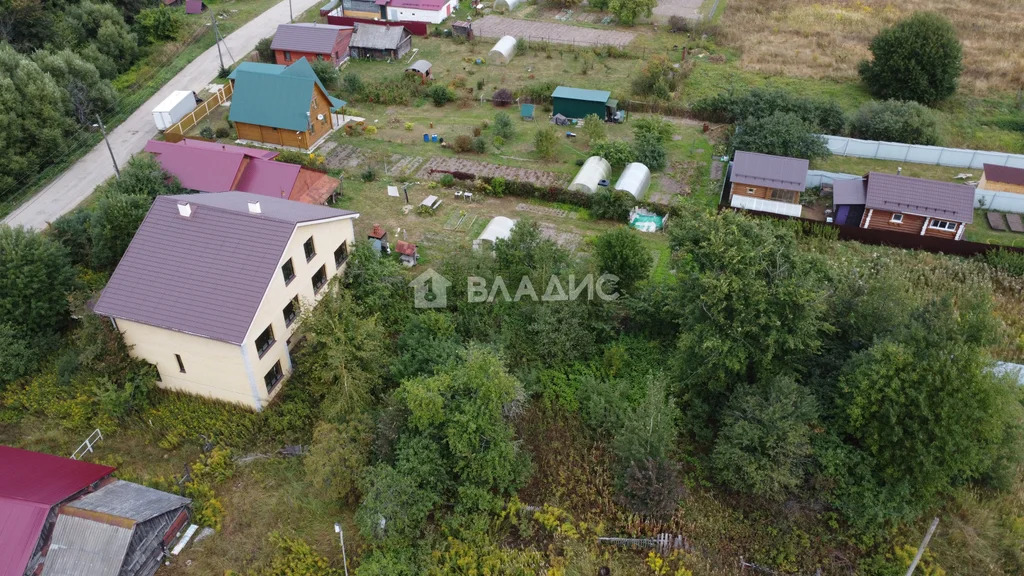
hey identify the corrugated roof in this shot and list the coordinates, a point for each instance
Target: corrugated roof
(30, 484)
(308, 37)
(421, 66)
(275, 96)
(566, 92)
(258, 67)
(129, 500)
(376, 37)
(414, 4)
(779, 172)
(197, 169)
(848, 192)
(205, 274)
(158, 146)
(943, 200)
(80, 546)
(1004, 174)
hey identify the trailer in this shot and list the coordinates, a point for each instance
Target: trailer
(174, 108)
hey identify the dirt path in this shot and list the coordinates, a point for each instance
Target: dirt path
(685, 8)
(492, 26)
(489, 170)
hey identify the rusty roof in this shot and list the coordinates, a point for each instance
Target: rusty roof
(903, 194)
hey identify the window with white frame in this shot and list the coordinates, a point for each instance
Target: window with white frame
(943, 225)
(896, 219)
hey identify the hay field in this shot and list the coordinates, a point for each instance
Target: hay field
(827, 39)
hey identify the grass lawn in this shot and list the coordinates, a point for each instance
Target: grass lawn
(861, 166)
(980, 231)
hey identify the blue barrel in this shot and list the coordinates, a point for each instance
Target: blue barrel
(433, 137)
(426, 137)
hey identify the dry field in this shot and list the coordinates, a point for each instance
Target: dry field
(827, 39)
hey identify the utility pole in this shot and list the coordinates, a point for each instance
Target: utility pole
(924, 544)
(216, 37)
(103, 130)
(341, 536)
(290, 16)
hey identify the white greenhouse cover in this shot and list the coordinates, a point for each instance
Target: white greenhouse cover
(504, 49)
(593, 171)
(635, 179)
(507, 5)
(498, 227)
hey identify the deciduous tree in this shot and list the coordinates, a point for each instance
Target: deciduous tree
(918, 59)
(35, 276)
(781, 134)
(622, 252)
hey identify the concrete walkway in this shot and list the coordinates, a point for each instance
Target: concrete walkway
(69, 189)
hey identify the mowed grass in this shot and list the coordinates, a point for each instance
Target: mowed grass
(816, 39)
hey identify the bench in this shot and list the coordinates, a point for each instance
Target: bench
(995, 221)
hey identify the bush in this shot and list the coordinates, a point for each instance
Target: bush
(538, 93)
(895, 121)
(440, 94)
(264, 52)
(479, 145)
(918, 59)
(223, 132)
(649, 150)
(618, 153)
(368, 175)
(326, 72)
(731, 108)
(408, 126)
(544, 142)
(309, 160)
(503, 127)
(623, 253)
(781, 134)
(1005, 260)
(502, 97)
(223, 72)
(593, 128)
(611, 205)
(207, 132)
(159, 24)
(353, 84)
(477, 131)
(462, 143)
(657, 79)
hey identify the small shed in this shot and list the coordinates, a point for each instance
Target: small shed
(635, 180)
(407, 253)
(499, 227)
(379, 238)
(421, 67)
(506, 5)
(462, 29)
(503, 50)
(578, 103)
(526, 111)
(593, 171)
(379, 42)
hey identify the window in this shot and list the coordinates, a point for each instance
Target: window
(320, 278)
(265, 341)
(309, 249)
(943, 225)
(181, 365)
(341, 254)
(751, 190)
(291, 311)
(287, 56)
(896, 219)
(273, 377)
(288, 270)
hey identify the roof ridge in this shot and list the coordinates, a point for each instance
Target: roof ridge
(261, 215)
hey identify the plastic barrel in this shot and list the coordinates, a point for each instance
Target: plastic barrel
(433, 137)
(426, 137)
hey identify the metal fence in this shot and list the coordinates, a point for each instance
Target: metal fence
(917, 154)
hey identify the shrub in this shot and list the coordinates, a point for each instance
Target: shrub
(623, 253)
(618, 153)
(657, 79)
(326, 72)
(611, 205)
(440, 94)
(828, 116)
(263, 50)
(352, 83)
(1005, 260)
(781, 134)
(462, 143)
(447, 180)
(207, 132)
(223, 132)
(408, 126)
(499, 141)
(593, 129)
(159, 23)
(918, 59)
(539, 93)
(477, 131)
(223, 72)
(544, 142)
(502, 97)
(368, 175)
(479, 145)
(895, 121)
(371, 130)
(649, 149)
(309, 160)
(503, 127)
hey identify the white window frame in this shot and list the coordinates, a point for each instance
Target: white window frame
(896, 219)
(751, 190)
(944, 225)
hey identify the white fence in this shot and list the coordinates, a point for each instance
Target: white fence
(937, 155)
(999, 201)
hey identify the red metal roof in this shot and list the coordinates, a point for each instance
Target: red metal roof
(30, 484)
(1004, 174)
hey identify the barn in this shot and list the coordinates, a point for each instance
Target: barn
(578, 103)
(378, 42)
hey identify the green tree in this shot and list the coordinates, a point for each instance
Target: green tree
(395, 505)
(611, 204)
(649, 150)
(19, 357)
(781, 134)
(657, 78)
(593, 129)
(378, 285)
(116, 41)
(503, 126)
(618, 153)
(265, 52)
(87, 92)
(920, 59)
(143, 176)
(622, 252)
(35, 276)
(544, 142)
(428, 342)
(337, 457)
(440, 94)
(159, 23)
(764, 445)
(652, 126)
(627, 11)
(761, 102)
(895, 121)
(526, 251)
(327, 73)
(113, 223)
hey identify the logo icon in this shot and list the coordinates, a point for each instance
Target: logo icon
(430, 290)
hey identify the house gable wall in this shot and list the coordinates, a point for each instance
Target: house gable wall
(762, 192)
(912, 224)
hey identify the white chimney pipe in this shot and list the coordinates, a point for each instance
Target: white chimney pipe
(254, 208)
(185, 209)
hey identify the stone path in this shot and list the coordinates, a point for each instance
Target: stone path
(489, 170)
(497, 26)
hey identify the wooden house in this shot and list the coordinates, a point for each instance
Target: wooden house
(378, 42)
(312, 41)
(767, 183)
(284, 106)
(882, 201)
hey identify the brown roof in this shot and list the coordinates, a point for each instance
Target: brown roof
(903, 194)
(308, 37)
(848, 192)
(770, 171)
(1004, 174)
(407, 248)
(205, 274)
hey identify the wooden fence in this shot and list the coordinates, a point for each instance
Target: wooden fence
(176, 133)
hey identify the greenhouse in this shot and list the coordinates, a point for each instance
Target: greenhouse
(503, 50)
(506, 5)
(594, 170)
(635, 180)
(498, 227)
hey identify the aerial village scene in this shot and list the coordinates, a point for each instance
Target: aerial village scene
(512, 288)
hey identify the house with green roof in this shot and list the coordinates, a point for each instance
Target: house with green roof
(281, 105)
(578, 103)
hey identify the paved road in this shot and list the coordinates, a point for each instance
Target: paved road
(78, 182)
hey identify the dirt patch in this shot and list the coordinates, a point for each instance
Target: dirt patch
(568, 240)
(685, 8)
(347, 157)
(488, 170)
(497, 26)
(544, 210)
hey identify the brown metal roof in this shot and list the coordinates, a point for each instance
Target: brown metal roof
(903, 194)
(1004, 174)
(780, 172)
(205, 274)
(307, 37)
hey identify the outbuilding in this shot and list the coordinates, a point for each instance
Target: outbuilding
(499, 227)
(506, 5)
(578, 103)
(594, 170)
(312, 41)
(635, 180)
(503, 50)
(420, 68)
(379, 42)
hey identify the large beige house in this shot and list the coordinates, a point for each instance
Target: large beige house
(210, 288)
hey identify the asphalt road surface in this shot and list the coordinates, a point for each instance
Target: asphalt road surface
(72, 187)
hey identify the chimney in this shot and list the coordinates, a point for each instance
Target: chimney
(254, 207)
(185, 209)
(377, 233)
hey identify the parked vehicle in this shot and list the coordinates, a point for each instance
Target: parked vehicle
(174, 108)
